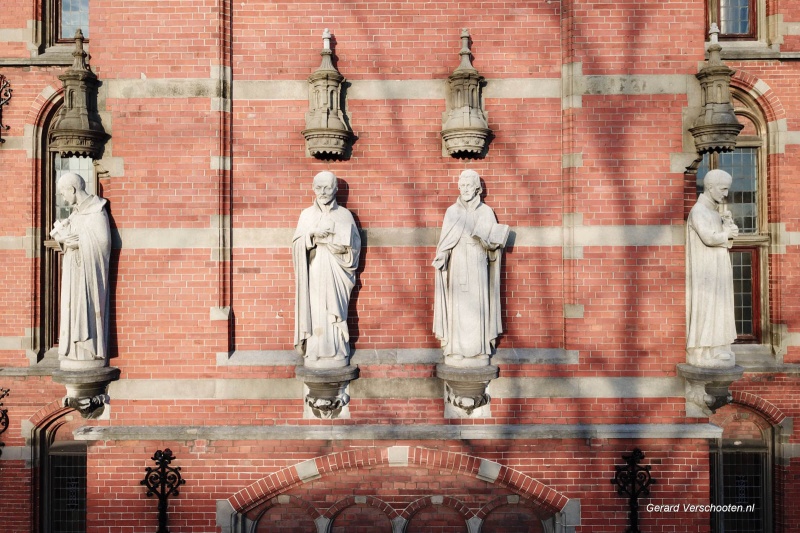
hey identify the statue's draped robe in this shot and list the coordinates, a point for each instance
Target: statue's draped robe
(324, 280)
(466, 312)
(710, 313)
(84, 284)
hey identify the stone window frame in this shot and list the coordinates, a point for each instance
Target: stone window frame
(757, 243)
(50, 37)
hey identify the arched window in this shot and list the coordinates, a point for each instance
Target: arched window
(53, 208)
(747, 201)
(741, 471)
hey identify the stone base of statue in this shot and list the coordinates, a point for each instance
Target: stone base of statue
(465, 387)
(711, 357)
(327, 389)
(87, 388)
(707, 389)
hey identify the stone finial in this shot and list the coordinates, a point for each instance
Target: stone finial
(327, 134)
(465, 129)
(77, 130)
(465, 53)
(716, 129)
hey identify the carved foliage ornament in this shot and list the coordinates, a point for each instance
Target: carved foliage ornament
(77, 130)
(5, 96)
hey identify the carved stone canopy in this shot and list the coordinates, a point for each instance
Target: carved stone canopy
(465, 129)
(716, 129)
(77, 130)
(327, 134)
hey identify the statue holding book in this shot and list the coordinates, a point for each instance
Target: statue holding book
(468, 257)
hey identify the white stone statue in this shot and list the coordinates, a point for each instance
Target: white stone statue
(711, 326)
(466, 313)
(325, 251)
(85, 239)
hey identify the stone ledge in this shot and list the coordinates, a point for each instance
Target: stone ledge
(504, 356)
(399, 433)
(406, 388)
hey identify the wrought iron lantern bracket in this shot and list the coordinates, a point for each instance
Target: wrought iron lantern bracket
(5, 96)
(163, 481)
(3, 416)
(634, 481)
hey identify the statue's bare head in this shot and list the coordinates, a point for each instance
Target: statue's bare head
(325, 186)
(72, 187)
(469, 183)
(716, 185)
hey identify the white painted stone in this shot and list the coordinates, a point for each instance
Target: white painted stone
(489, 470)
(85, 239)
(307, 470)
(398, 456)
(467, 295)
(711, 327)
(325, 251)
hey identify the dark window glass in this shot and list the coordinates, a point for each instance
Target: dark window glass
(68, 493)
(734, 17)
(742, 262)
(74, 15)
(742, 201)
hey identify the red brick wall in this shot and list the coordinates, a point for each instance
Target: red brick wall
(216, 470)
(632, 296)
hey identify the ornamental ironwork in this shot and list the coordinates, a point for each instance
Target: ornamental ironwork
(163, 481)
(5, 96)
(3, 416)
(633, 480)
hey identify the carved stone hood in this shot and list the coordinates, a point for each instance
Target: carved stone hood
(716, 129)
(77, 130)
(465, 130)
(327, 133)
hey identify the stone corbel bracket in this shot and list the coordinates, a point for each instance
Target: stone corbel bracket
(87, 389)
(717, 127)
(465, 129)
(327, 133)
(465, 387)
(327, 389)
(707, 389)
